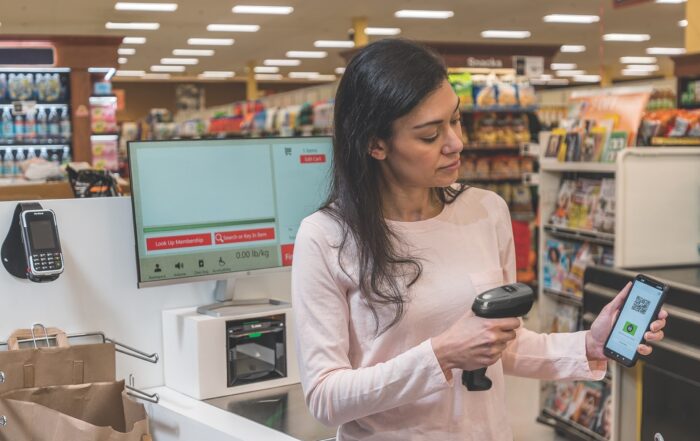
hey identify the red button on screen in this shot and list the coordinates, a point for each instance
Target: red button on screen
(287, 254)
(312, 159)
(171, 242)
(224, 237)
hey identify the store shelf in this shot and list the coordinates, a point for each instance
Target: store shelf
(680, 142)
(563, 296)
(38, 105)
(34, 146)
(571, 429)
(500, 109)
(518, 179)
(581, 235)
(592, 167)
(497, 148)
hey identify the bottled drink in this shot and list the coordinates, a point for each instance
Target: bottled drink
(19, 128)
(65, 126)
(30, 128)
(8, 126)
(42, 127)
(54, 125)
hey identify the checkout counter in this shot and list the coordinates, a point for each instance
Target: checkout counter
(667, 383)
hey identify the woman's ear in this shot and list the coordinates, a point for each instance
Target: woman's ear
(378, 149)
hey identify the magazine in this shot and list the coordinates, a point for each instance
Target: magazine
(557, 263)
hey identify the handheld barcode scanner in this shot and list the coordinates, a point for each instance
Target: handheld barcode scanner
(513, 300)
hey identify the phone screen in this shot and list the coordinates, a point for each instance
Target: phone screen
(634, 319)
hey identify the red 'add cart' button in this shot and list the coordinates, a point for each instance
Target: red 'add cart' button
(287, 253)
(312, 159)
(171, 242)
(225, 237)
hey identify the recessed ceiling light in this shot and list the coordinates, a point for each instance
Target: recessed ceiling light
(274, 10)
(382, 31)
(570, 18)
(266, 69)
(562, 66)
(643, 67)
(683, 23)
(216, 74)
(587, 78)
(189, 61)
(156, 76)
(670, 2)
(303, 74)
(569, 72)
(210, 41)
(626, 37)
(324, 78)
(334, 43)
(130, 73)
(307, 54)
(505, 34)
(635, 73)
(422, 13)
(574, 48)
(134, 40)
(126, 51)
(122, 60)
(232, 28)
(268, 77)
(158, 68)
(193, 52)
(665, 51)
(157, 7)
(638, 60)
(287, 62)
(340, 70)
(133, 25)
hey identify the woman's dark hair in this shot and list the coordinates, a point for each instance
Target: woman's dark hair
(383, 82)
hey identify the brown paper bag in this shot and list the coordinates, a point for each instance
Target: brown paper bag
(52, 366)
(85, 412)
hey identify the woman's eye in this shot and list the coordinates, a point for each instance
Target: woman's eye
(430, 138)
(455, 121)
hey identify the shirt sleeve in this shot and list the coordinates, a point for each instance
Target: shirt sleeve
(544, 356)
(335, 391)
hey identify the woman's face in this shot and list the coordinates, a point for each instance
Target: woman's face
(424, 149)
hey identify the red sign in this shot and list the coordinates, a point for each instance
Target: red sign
(171, 242)
(224, 237)
(312, 159)
(287, 254)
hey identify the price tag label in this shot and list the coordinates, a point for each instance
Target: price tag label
(23, 107)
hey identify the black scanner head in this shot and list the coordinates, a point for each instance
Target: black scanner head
(512, 300)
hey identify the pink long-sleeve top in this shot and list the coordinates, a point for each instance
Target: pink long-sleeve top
(390, 386)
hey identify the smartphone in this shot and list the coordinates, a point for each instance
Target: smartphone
(641, 308)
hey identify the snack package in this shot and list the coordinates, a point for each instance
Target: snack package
(526, 95)
(467, 167)
(462, 85)
(486, 130)
(483, 168)
(521, 131)
(487, 97)
(507, 95)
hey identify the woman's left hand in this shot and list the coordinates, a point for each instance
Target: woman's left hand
(601, 327)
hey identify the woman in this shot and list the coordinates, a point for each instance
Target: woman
(385, 273)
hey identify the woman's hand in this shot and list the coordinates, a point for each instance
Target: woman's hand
(473, 342)
(601, 327)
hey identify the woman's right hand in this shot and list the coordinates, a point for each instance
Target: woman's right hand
(473, 342)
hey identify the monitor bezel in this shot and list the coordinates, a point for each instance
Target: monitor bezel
(210, 277)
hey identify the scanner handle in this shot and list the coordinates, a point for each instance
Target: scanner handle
(476, 380)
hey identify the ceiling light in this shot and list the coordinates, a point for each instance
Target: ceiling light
(158, 68)
(546, 77)
(130, 73)
(210, 41)
(268, 77)
(573, 48)
(562, 66)
(193, 52)
(156, 76)
(122, 60)
(324, 78)
(157, 7)
(643, 67)
(382, 31)
(266, 69)
(287, 62)
(126, 51)
(683, 23)
(635, 73)
(232, 28)
(303, 74)
(419, 13)
(665, 51)
(570, 18)
(274, 10)
(216, 74)
(587, 78)
(638, 60)
(134, 40)
(569, 72)
(179, 61)
(133, 25)
(307, 54)
(670, 2)
(334, 43)
(626, 37)
(340, 70)
(505, 34)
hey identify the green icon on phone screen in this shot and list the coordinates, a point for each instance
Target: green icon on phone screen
(630, 328)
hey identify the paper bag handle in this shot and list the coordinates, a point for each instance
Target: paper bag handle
(27, 334)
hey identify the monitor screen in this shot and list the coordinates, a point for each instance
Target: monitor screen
(205, 208)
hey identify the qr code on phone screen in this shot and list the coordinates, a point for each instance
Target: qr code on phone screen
(640, 305)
